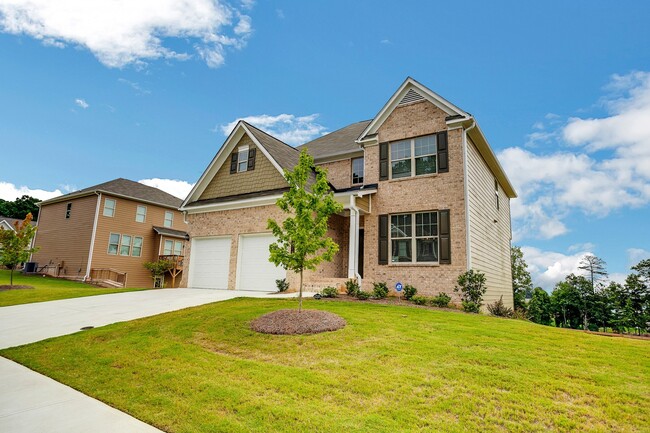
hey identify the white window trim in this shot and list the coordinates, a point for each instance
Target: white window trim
(241, 149)
(106, 200)
(180, 250)
(171, 249)
(119, 240)
(412, 157)
(363, 178)
(144, 215)
(133, 247)
(413, 238)
(171, 220)
(130, 245)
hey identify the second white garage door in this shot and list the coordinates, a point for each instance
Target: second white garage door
(254, 271)
(209, 263)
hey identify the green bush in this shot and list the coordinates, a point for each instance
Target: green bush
(409, 292)
(363, 295)
(419, 300)
(499, 309)
(352, 287)
(471, 285)
(329, 292)
(520, 314)
(282, 285)
(379, 290)
(442, 300)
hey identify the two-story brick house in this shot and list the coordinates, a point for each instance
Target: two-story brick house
(107, 232)
(425, 199)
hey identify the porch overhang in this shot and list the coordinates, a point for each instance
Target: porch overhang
(359, 198)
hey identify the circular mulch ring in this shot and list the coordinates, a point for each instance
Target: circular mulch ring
(14, 287)
(287, 322)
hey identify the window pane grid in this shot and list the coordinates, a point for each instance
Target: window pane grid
(242, 159)
(125, 245)
(419, 245)
(417, 155)
(357, 170)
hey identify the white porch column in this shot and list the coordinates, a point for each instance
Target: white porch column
(353, 241)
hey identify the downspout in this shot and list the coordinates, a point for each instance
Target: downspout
(33, 243)
(466, 188)
(92, 238)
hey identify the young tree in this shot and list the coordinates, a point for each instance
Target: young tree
(539, 308)
(522, 284)
(301, 239)
(594, 267)
(565, 303)
(15, 246)
(471, 285)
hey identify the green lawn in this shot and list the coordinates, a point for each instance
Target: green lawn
(46, 289)
(391, 369)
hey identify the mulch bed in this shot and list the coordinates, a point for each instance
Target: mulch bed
(14, 287)
(287, 322)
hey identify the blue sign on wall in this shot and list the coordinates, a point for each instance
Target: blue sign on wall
(398, 287)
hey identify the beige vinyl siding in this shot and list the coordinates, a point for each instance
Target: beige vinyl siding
(490, 231)
(264, 177)
(66, 241)
(124, 223)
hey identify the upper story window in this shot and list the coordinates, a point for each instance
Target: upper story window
(68, 209)
(169, 218)
(169, 247)
(415, 156)
(109, 207)
(113, 243)
(496, 192)
(141, 213)
(357, 171)
(242, 159)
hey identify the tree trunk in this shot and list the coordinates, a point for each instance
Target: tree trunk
(11, 277)
(300, 293)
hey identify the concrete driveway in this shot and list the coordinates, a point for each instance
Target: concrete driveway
(33, 403)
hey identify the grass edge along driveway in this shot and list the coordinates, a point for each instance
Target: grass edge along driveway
(48, 289)
(390, 369)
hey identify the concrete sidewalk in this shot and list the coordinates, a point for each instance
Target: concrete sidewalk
(33, 403)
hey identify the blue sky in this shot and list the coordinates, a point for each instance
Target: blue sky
(90, 92)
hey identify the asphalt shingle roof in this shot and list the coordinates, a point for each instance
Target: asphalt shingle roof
(127, 188)
(338, 142)
(285, 155)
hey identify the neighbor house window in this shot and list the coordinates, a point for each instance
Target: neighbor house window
(169, 248)
(169, 218)
(125, 245)
(413, 157)
(141, 213)
(496, 193)
(357, 170)
(178, 248)
(68, 209)
(414, 237)
(113, 243)
(137, 247)
(242, 159)
(109, 207)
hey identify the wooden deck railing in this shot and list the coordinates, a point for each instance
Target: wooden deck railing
(109, 274)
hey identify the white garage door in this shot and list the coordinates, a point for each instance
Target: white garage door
(209, 263)
(254, 271)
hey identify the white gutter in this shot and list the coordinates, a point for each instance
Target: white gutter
(92, 238)
(466, 188)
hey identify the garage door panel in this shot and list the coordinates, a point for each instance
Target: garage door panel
(210, 263)
(255, 272)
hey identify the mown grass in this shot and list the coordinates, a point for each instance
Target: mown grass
(391, 369)
(46, 289)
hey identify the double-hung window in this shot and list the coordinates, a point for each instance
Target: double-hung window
(242, 159)
(141, 213)
(357, 171)
(178, 248)
(113, 243)
(169, 218)
(137, 246)
(68, 209)
(125, 245)
(109, 207)
(414, 237)
(169, 247)
(413, 157)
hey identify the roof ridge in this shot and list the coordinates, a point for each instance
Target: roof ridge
(266, 133)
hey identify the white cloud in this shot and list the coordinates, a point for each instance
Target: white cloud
(635, 255)
(10, 192)
(177, 188)
(119, 33)
(279, 13)
(289, 128)
(548, 267)
(135, 86)
(587, 246)
(609, 170)
(82, 103)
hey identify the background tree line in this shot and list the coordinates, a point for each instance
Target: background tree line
(586, 301)
(19, 208)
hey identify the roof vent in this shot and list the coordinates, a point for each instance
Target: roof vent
(411, 96)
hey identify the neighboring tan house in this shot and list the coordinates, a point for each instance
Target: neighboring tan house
(105, 233)
(425, 200)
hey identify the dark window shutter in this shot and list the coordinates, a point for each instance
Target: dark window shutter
(383, 239)
(383, 161)
(233, 163)
(251, 159)
(443, 159)
(445, 241)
